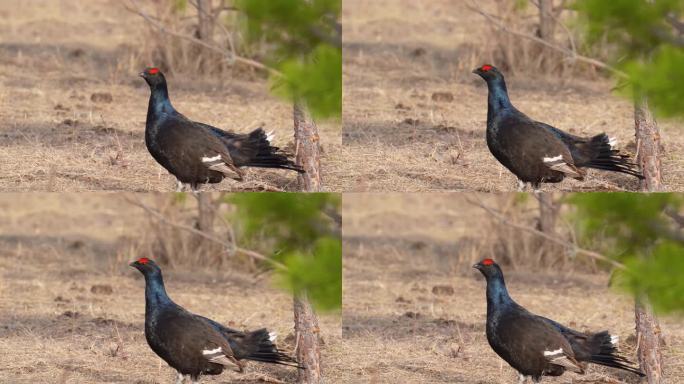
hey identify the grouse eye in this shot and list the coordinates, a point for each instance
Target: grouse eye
(487, 262)
(486, 68)
(153, 71)
(143, 260)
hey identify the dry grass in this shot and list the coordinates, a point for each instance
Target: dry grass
(398, 54)
(57, 136)
(73, 311)
(399, 247)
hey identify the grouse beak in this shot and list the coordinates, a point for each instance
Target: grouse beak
(141, 74)
(133, 264)
(477, 266)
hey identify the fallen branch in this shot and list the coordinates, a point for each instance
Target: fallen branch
(231, 246)
(230, 56)
(574, 247)
(573, 55)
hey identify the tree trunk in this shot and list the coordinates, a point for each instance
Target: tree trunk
(548, 212)
(206, 212)
(546, 22)
(205, 26)
(308, 155)
(648, 148)
(648, 342)
(306, 336)
(205, 219)
(308, 151)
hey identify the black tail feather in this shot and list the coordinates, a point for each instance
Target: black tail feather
(615, 361)
(266, 156)
(604, 352)
(262, 349)
(604, 157)
(254, 150)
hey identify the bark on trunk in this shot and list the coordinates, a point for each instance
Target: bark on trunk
(307, 332)
(648, 343)
(548, 212)
(308, 149)
(206, 212)
(648, 148)
(205, 20)
(205, 219)
(546, 22)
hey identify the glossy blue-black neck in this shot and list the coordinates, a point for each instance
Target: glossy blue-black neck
(497, 294)
(498, 97)
(155, 293)
(160, 103)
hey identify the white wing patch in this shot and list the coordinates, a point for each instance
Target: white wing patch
(270, 136)
(558, 357)
(272, 336)
(212, 352)
(549, 354)
(217, 356)
(216, 163)
(558, 164)
(211, 159)
(553, 159)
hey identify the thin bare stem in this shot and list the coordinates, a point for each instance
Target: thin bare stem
(557, 240)
(230, 56)
(571, 54)
(253, 254)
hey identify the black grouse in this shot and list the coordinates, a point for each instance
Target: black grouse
(539, 153)
(198, 153)
(536, 346)
(194, 345)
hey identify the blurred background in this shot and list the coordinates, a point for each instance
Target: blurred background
(73, 107)
(415, 115)
(412, 297)
(73, 310)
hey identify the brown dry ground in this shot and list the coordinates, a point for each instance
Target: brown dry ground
(54, 55)
(398, 53)
(56, 328)
(397, 247)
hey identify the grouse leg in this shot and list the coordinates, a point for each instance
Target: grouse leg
(521, 185)
(194, 188)
(180, 187)
(536, 188)
(180, 378)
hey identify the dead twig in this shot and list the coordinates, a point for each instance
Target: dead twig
(214, 14)
(253, 254)
(230, 56)
(571, 54)
(574, 247)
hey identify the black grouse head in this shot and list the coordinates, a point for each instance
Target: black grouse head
(489, 269)
(153, 76)
(488, 72)
(146, 266)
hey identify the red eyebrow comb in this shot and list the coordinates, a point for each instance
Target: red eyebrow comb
(486, 67)
(153, 71)
(487, 262)
(143, 260)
